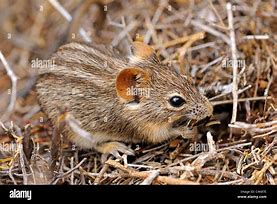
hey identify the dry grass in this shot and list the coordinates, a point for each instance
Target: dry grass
(239, 150)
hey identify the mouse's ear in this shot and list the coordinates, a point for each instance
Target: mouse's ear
(142, 51)
(131, 83)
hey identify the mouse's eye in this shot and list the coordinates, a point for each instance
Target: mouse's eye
(176, 101)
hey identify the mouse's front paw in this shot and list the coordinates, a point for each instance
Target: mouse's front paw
(114, 148)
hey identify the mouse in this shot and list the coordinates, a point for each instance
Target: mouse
(119, 99)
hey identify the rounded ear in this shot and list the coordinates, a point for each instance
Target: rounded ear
(130, 83)
(142, 51)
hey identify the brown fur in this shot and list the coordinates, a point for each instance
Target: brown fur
(81, 81)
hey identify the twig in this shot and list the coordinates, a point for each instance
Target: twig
(152, 176)
(60, 176)
(150, 27)
(268, 86)
(111, 22)
(13, 78)
(224, 170)
(203, 158)
(154, 21)
(154, 148)
(196, 36)
(93, 175)
(206, 66)
(217, 14)
(218, 150)
(234, 59)
(123, 33)
(202, 46)
(269, 147)
(33, 174)
(124, 26)
(256, 37)
(235, 146)
(226, 93)
(267, 127)
(211, 31)
(270, 178)
(101, 173)
(72, 173)
(260, 174)
(225, 174)
(144, 174)
(231, 182)
(68, 17)
(216, 103)
(10, 174)
(22, 164)
(182, 51)
(140, 166)
(73, 169)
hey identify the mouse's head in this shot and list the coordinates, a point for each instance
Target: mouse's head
(155, 93)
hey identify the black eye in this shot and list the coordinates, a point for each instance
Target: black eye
(176, 101)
